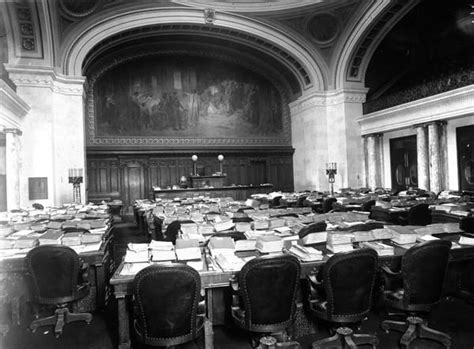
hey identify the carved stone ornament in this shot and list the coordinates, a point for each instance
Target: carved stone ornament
(209, 15)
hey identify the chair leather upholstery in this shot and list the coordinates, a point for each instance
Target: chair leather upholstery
(419, 214)
(312, 228)
(423, 270)
(57, 278)
(53, 271)
(166, 305)
(267, 290)
(345, 294)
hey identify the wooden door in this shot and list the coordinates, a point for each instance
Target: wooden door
(465, 143)
(133, 184)
(403, 161)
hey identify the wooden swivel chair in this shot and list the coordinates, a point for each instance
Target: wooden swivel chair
(341, 294)
(264, 297)
(416, 288)
(54, 271)
(166, 299)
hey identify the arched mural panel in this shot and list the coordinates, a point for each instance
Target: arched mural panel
(185, 100)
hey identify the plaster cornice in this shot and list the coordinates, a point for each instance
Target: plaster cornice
(443, 106)
(41, 77)
(12, 108)
(334, 97)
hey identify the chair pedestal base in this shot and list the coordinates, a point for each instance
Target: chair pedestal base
(416, 327)
(61, 316)
(346, 337)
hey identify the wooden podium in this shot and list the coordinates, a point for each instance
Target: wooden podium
(207, 181)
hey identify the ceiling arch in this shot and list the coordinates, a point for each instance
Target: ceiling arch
(379, 17)
(108, 29)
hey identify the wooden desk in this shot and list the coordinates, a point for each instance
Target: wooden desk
(213, 281)
(210, 181)
(241, 192)
(15, 283)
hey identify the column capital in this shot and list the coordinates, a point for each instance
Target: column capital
(16, 131)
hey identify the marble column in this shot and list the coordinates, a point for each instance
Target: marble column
(443, 151)
(434, 157)
(371, 161)
(422, 157)
(13, 165)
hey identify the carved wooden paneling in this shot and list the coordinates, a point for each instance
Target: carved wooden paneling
(132, 176)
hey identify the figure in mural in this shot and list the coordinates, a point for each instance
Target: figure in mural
(251, 107)
(148, 108)
(177, 112)
(194, 102)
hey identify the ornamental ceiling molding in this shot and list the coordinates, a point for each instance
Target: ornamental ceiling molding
(93, 140)
(330, 98)
(253, 33)
(40, 77)
(443, 106)
(26, 30)
(249, 6)
(377, 19)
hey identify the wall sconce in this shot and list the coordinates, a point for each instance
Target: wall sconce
(331, 171)
(75, 177)
(195, 159)
(220, 157)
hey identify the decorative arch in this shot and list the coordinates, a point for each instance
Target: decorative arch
(260, 36)
(378, 19)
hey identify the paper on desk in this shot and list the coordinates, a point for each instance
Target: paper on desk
(464, 240)
(132, 268)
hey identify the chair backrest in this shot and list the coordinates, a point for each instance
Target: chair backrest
(419, 214)
(53, 271)
(327, 204)
(348, 280)
(423, 271)
(268, 288)
(166, 301)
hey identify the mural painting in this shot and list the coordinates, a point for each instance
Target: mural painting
(185, 97)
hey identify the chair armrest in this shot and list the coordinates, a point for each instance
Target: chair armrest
(84, 272)
(391, 279)
(390, 272)
(315, 287)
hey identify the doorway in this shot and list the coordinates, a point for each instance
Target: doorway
(465, 145)
(403, 161)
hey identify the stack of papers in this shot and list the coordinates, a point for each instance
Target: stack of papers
(221, 244)
(242, 226)
(223, 225)
(269, 244)
(51, 237)
(403, 235)
(187, 250)
(162, 251)
(306, 254)
(381, 248)
(130, 269)
(137, 253)
(245, 245)
(464, 240)
(339, 242)
(314, 238)
(229, 261)
(72, 239)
